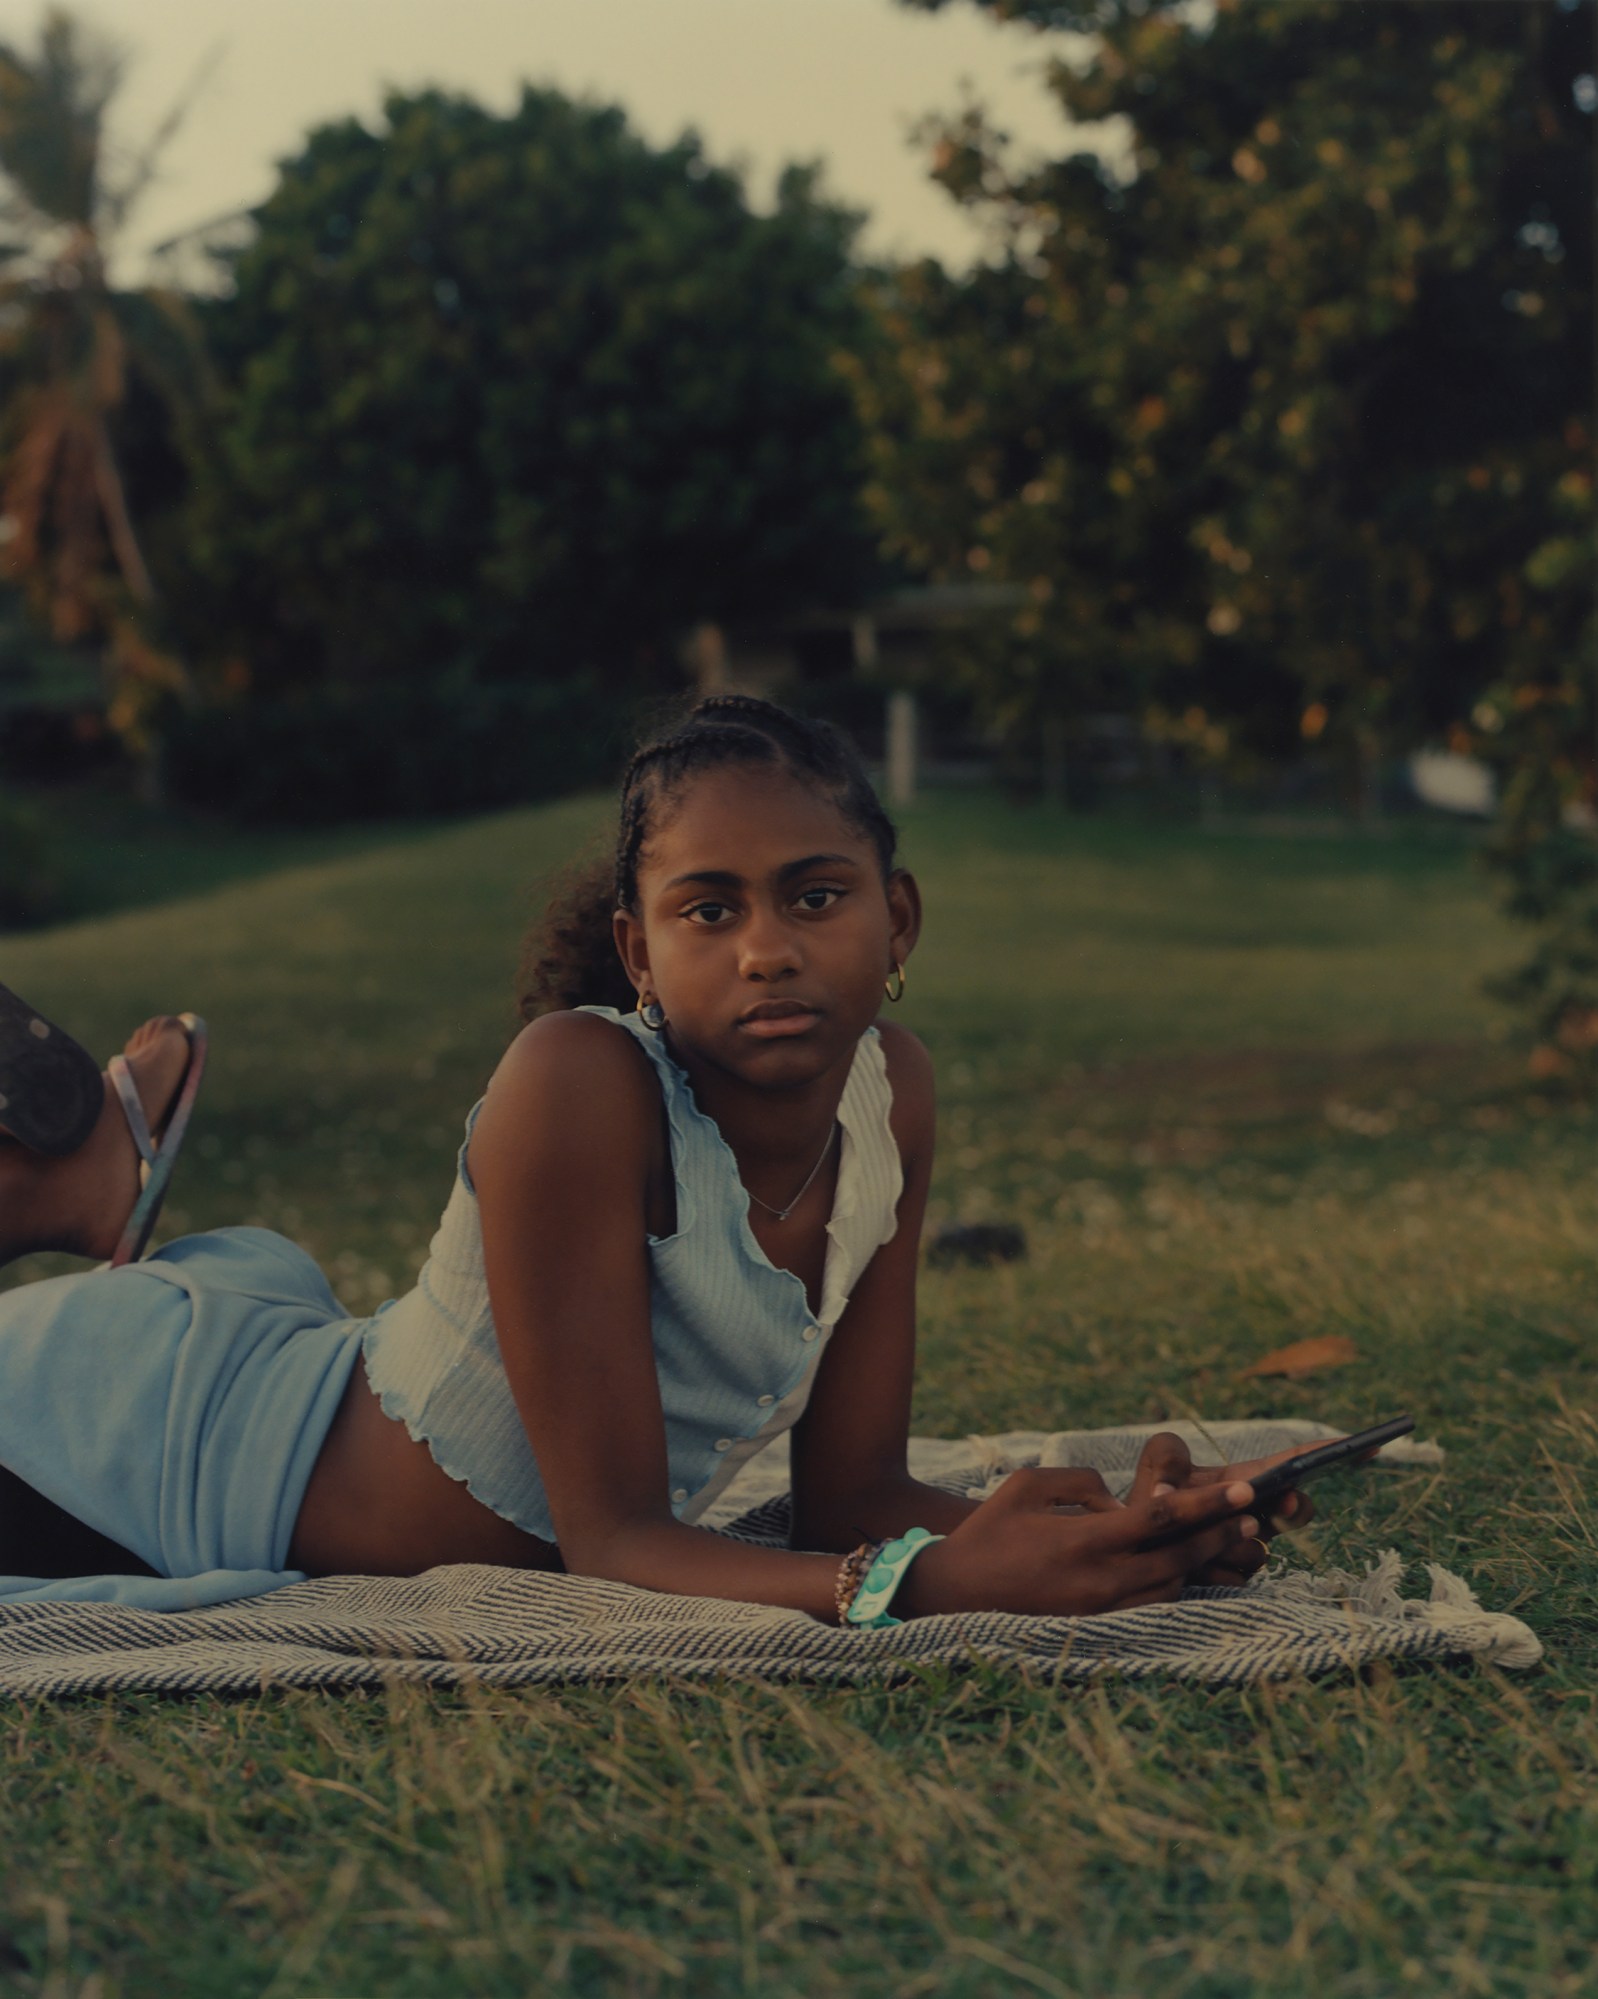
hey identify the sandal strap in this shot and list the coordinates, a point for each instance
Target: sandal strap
(132, 1109)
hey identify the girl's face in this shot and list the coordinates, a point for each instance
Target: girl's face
(764, 927)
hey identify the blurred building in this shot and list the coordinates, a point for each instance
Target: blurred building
(868, 668)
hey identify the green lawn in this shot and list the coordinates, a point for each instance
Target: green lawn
(109, 851)
(1239, 1090)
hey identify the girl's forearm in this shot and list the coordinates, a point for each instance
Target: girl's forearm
(909, 1503)
(877, 1513)
(690, 1561)
(938, 1511)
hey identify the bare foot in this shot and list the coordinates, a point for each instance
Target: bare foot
(81, 1203)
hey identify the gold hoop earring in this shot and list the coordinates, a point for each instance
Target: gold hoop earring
(887, 985)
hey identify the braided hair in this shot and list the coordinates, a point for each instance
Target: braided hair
(570, 958)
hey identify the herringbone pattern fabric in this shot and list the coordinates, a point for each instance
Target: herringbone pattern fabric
(511, 1628)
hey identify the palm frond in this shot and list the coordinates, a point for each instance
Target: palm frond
(117, 203)
(52, 115)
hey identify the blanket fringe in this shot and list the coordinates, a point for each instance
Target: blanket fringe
(1404, 1451)
(1485, 1634)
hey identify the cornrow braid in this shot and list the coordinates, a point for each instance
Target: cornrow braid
(571, 959)
(730, 729)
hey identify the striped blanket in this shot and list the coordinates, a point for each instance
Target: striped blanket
(512, 1628)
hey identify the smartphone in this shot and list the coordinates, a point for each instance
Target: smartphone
(1318, 1458)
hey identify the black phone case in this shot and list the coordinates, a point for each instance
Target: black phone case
(1322, 1458)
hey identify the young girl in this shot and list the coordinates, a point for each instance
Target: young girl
(685, 1220)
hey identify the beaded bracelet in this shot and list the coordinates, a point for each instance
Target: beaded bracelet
(888, 1563)
(852, 1573)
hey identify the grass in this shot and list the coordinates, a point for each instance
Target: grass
(1238, 1091)
(108, 850)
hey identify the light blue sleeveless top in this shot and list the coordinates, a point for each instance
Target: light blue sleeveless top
(736, 1344)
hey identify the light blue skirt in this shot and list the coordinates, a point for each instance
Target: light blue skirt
(177, 1405)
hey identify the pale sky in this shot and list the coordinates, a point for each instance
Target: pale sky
(765, 81)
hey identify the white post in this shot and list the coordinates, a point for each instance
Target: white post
(901, 749)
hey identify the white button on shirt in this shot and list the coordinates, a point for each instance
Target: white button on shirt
(812, 1332)
(724, 1443)
(766, 1401)
(679, 1495)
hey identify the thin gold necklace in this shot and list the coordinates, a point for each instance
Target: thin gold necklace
(782, 1214)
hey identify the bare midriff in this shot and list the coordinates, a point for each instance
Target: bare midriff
(379, 1503)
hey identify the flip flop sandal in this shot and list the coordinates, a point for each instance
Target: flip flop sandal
(156, 1162)
(51, 1094)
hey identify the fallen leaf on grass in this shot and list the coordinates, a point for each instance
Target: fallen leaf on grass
(1306, 1356)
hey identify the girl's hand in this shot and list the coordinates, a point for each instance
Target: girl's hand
(1167, 1463)
(1020, 1551)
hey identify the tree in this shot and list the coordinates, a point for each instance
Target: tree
(517, 395)
(1326, 384)
(72, 352)
(992, 455)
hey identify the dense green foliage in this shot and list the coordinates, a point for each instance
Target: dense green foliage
(514, 396)
(1287, 421)
(333, 752)
(1239, 1091)
(1541, 734)
(1282, 424)
(1285, 417)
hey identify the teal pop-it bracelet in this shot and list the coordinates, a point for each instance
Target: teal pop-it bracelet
(869, 1611)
